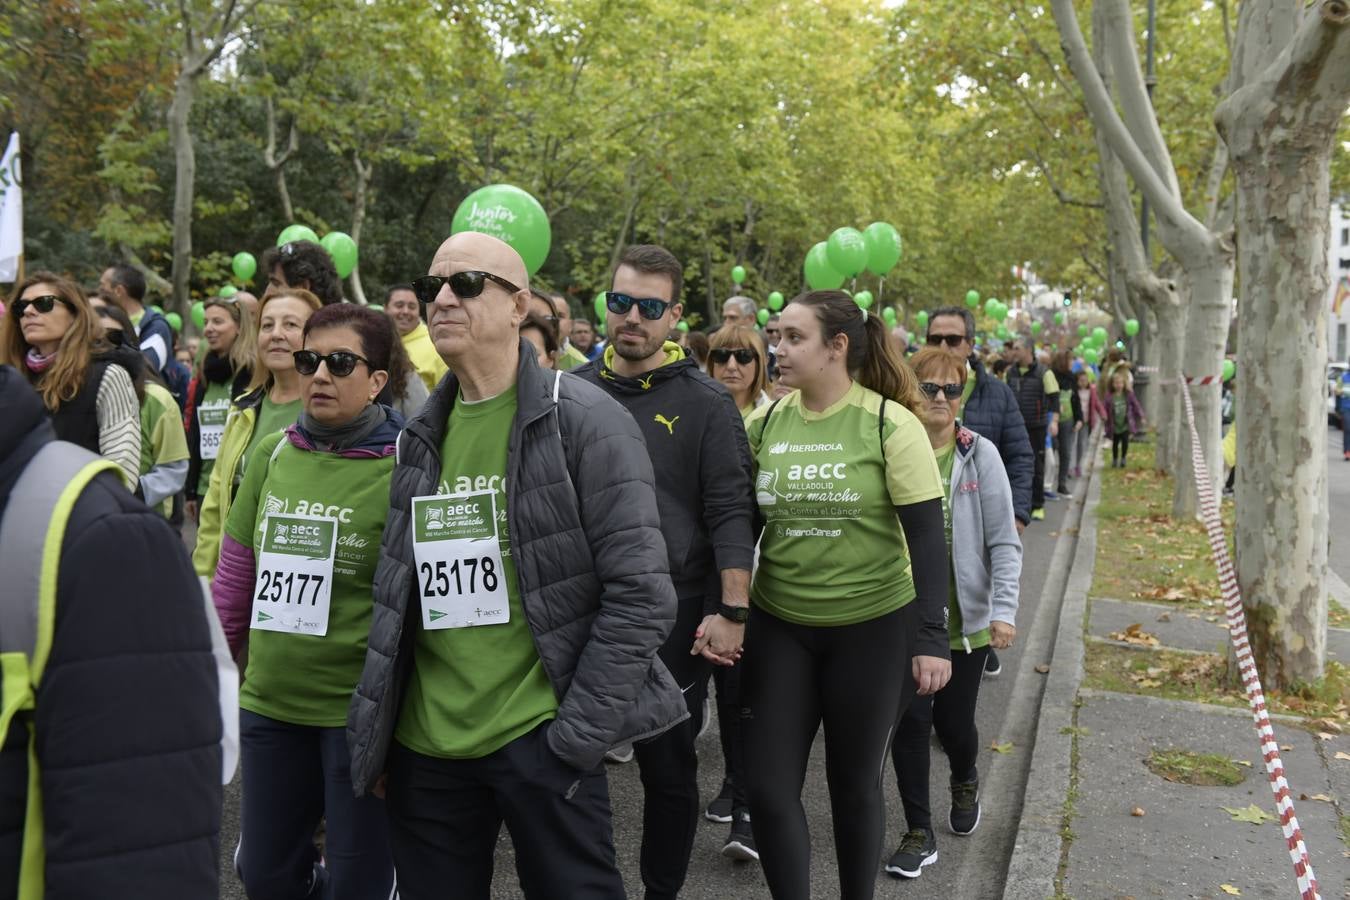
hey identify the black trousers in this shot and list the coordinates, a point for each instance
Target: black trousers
(1037, 436)
(851, 678)
(727, 679)
(1064, 449)
(445, 814)
(1120, 445)
(668, 765)
(951, 712)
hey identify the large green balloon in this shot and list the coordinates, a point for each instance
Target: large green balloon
(990, 305)
(506, 212)
(921, 317)
(775, 301)
(342, 249)
(863, 299)
(1003, 333)
(820, 275)
(847, 251)
(1131, 327)
(1229, 369)
(1090, 356)
(175, 321)
(1099, 335)
(243, 265)
(972, 299)
(600, 309)
(198, 313)
(1061, 317)
(1036, 327)
(682, 325)
(1000, 313)
(889, 315)
(1083, 331)
(296, 233)
(738, 274)
(883, 247)
(227, 291)
(762, 316)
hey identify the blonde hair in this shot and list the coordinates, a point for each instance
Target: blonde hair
(244, 351)
(64, 379)
(934, 361)
(262, 378)
(740, 337)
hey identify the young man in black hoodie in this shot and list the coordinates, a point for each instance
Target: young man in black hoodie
(702, 463)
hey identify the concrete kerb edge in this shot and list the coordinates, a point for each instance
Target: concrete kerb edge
(1036, 852)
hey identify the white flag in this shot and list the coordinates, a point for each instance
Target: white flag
(11, 211)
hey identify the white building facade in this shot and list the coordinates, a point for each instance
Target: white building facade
(1338, 297)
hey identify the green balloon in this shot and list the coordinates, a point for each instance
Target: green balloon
(1229, 369)
(600, 309)
(738, 274)
(510, 214)
(775, 301)
(863, 299)
(1061, 317)
(198, 313)
(157, 308)
(227, 291)
(175, 321)
(682, 325)
(243, 265)
(1099, 334)
(342, 249)
(762, 316)
(921, 317)
(820, 275)
(1001, 313)
(296, 233)
(1131, 327)
(378, 307)
(889, 315)
(846, 250)
(1036, 327)
(972, 299)
(990, 305)
(1090, 356)
(883, 247)
(1083, 331)
(1003, 333)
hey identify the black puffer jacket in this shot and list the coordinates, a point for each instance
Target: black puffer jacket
(992, 413)
(586, 535)
(127, 712)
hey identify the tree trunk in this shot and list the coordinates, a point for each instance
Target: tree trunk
(277, 163)
(185, 174)
(363, 173)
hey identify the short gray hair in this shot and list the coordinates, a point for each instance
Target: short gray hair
(745, 305)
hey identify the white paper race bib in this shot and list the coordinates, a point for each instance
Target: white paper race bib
(211, 425)
(459, 561)
(294, 588)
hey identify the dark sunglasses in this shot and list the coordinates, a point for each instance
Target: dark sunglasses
(648, 307)
(464, 285)
(340, 364)
(721, 355)
(43, 304)
(951, 340)
(950, 391)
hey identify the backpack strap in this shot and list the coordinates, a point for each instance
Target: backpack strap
(31, 533)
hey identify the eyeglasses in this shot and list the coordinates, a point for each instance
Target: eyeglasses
(464, 285)
(648, 307)
(950, 391)
(951, 340)
(721, 355)
(340, 364)
(44, 304)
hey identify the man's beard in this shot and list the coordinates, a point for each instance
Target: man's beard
(640, 352)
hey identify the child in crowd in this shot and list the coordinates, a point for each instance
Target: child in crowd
(1124, 416)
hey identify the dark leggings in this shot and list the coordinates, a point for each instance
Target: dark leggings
(728, 682)
(1120, 445)
(1064, 450)
(951, 712)
(850, 677)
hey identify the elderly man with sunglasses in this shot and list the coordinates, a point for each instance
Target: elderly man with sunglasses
(703, 472)
(521, 596)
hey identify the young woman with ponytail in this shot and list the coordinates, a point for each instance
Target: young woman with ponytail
(851, 591)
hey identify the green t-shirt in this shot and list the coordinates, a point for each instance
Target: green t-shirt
(272, 418)
(833, 552)
(300, 678)
(163, 440)
(215, 407)
(1120, 413)
(946, 458)
(474, 690)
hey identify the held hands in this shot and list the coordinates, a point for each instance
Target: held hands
(719, 640)
(931, 674)
(1077, 426)
(1001, 635)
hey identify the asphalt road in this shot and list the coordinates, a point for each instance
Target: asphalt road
(972, 867)
(1338, 487)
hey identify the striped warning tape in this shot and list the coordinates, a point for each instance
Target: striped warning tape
(1251, 680)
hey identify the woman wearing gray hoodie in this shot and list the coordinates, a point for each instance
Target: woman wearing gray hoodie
(986, 556)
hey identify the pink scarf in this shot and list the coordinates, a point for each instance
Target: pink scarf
(36, 362)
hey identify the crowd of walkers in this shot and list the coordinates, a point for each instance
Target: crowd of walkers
(464, 551)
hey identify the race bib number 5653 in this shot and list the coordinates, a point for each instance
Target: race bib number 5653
(294, 588)
(459, 561)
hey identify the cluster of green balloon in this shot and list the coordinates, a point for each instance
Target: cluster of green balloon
(848, 252)
(888, 316)
(1061, 317)
(973, 299)
(996, 309)
(244, 266)
(920, 318)
(198, 314)
(339, 245)
(863, 299)
(1131, 327)
(775, 301)
(738, 274)
(510, 214)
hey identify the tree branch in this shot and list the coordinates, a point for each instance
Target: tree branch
(1062, 197)
(1135, 102)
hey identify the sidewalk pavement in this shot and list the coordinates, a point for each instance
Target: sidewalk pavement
(1098, 823)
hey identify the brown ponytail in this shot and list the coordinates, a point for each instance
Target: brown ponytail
(872, 358)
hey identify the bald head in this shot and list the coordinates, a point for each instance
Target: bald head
(472, 250)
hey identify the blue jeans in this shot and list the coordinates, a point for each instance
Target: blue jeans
(293, 777)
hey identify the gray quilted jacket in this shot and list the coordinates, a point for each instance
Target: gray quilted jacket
(585, 532)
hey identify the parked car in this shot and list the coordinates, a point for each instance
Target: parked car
(1335, 373)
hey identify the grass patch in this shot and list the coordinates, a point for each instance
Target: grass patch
(1066, 835)
(1142, 553)
(1337, 616)
(1345, 829)
(1187, 767)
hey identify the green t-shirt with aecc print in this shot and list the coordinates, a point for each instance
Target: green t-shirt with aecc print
(272, 418)
(946, 458)
(833, 552)
(301, 678)
(474, 690)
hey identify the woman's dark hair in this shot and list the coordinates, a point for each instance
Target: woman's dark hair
(698, 348)
(376, 331)
(308, 262)
(1062, 362)
(872, 358)
(547, 332)
(127, 338)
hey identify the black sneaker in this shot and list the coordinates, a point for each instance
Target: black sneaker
(720, 809)
(917, 849)
(992, 666)
(965, 814)
(741, 842)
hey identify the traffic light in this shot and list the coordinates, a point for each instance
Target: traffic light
(1068, 299)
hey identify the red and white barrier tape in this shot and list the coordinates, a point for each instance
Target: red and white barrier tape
(1237, 631)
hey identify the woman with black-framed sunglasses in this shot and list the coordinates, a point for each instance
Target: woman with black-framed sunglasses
(296, 570)
(52, 336)
(737, 359)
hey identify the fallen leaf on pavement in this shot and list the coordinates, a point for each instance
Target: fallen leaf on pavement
(1229, 889)
(1135, 634)
(1005, 747)
(1165, 617)
(1253, 815)
(1286, 747)
(1325, 735)
(1341, 754)
(1137, 811)
(1043, 668)
(1242, 762)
